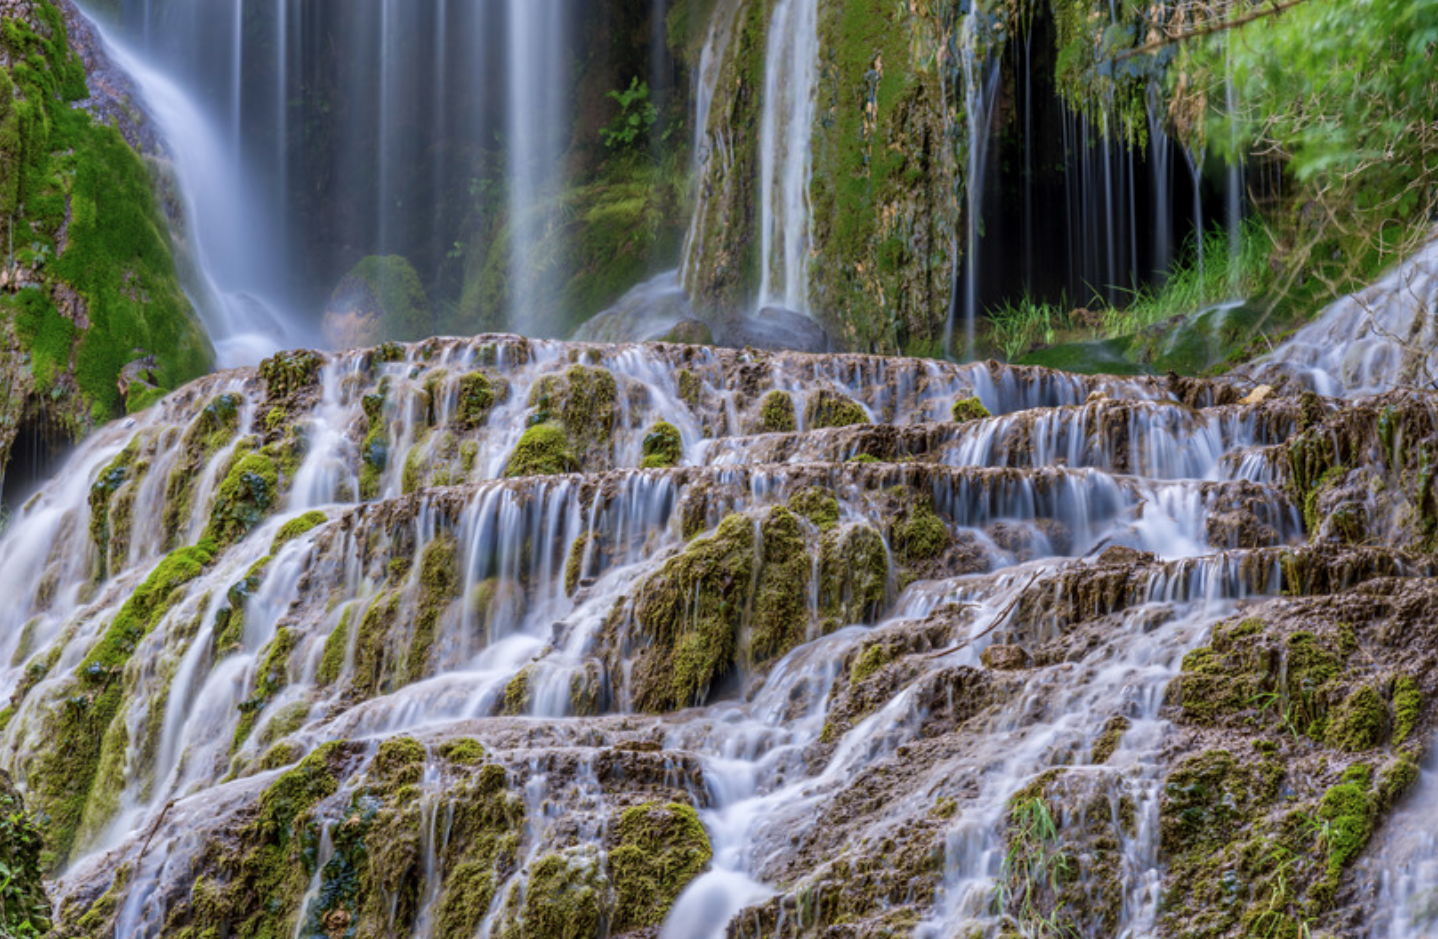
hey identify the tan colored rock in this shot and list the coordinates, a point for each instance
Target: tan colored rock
(1005, 658)
(1258, 395)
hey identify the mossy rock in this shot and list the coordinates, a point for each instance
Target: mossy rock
(831, 409)
(103, 321)
(297, 527)
(584, 402)
(543, 450)
(969, 409)
(777, 414)
(477, 396)
(246, 496)
(747, 573)
(381, 299)
(663, 446)
(657, 850)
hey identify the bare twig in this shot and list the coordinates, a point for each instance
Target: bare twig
(998, 621)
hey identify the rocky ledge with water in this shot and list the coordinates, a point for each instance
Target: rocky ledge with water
(520, 638)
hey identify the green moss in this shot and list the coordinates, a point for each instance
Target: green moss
(1109, 739)
(462, 751)
(780, 619)
(564, 899)
(853, 576)
(691, 611)
(112, 478)
(690, 389)
(657, 851)
(440, 582)
(477, 397)
(374, 449)
(517, 694)
(230, 618)
(663, 446)
(332, 659)
(584, 402)
(82, 214)
(1350, 814)
(286, 374)
(574, 563)
(1209, 795)
(969, 409)
(66, 772)
(919, 534)
(818, 505)
(485, 824)
(249, 492)
(375, 657)
(1359, 722)
(270, 680)
(777, 414)
(831, 409)
(1407, 708)
(868, 662)
(544, 450)
(398, 762)
(296, 527)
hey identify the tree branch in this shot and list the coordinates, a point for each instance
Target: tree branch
(1208, 30)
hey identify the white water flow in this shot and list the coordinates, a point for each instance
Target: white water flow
(537, 120)
(326, 132)
(791, 73)
(229, 267)
(712, 154)
(441, 599)
(981, 87)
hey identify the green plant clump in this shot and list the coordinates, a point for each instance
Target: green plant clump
(663, 446)
(542, 451)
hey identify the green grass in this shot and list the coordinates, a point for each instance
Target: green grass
(1018, 328)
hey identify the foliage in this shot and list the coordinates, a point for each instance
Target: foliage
(1204, 277)
(1359, 142)
(637, 114)
(79, 200)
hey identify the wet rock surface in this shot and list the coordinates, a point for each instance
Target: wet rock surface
(764, 639)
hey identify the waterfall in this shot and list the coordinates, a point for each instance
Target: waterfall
(709, 143)
(313, 141)
(791, 70)
(981, 89)
(405, 584)
(537, 87)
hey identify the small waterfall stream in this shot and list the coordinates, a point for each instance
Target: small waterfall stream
(545, 573)
(513, 638)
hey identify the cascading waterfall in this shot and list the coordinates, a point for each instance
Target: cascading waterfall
(791, 71)
(510, 637)
(427, 598)
(537, 121)
(980, 95)
(288, 188)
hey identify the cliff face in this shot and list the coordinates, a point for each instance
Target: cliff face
(882, 199)
(92, 316)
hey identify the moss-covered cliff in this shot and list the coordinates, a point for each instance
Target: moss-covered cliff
(93, 320)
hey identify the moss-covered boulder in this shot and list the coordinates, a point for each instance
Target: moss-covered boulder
(656, 850)
(543, 450)
(777, 414)
(663, 446)
(379, 300)
(831, 409)
(583, 401)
